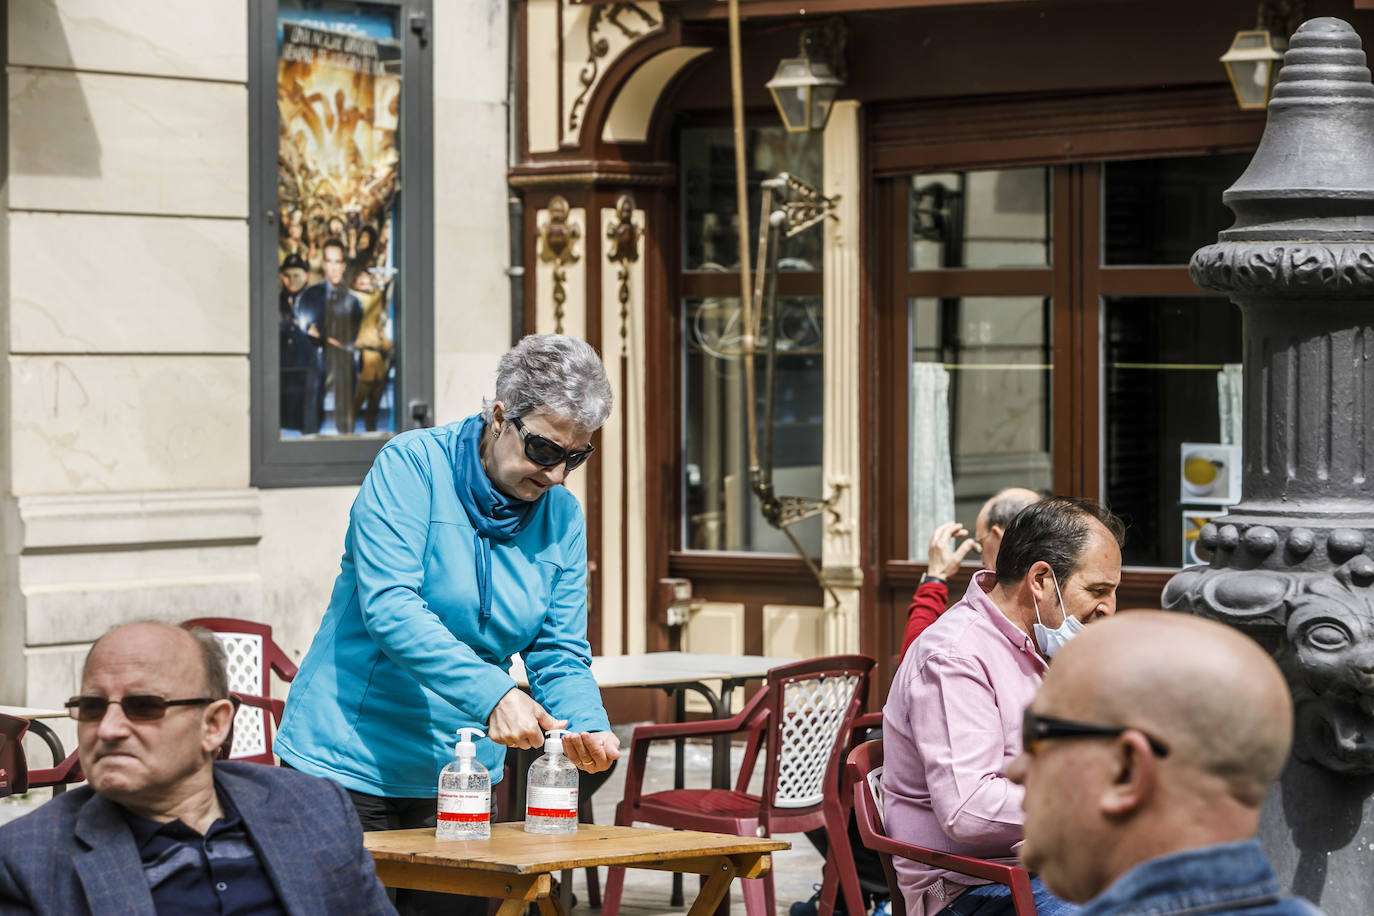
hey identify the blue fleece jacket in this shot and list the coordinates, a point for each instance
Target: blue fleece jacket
(402, 658)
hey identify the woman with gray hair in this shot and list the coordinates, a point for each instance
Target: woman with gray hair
(462, 549)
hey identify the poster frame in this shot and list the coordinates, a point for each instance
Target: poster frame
(325, 461)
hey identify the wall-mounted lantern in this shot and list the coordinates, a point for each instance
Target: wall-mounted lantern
(1252, 62)
(805, 87)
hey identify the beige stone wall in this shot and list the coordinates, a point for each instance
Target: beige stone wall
(124, 318)
(126, 340)
(471, 241)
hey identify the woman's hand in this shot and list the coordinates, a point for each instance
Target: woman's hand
(592, 752)
(518, 721)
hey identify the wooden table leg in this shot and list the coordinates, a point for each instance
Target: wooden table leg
(715, 888)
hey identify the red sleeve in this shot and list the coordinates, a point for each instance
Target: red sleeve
(927, 604)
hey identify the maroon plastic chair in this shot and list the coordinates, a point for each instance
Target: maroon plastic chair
(16, 777)
(14, 770)
(802, 718)
(253, 657)
(864, 770)
(59, 776)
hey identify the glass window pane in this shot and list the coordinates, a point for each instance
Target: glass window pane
(710, 221)
(1159, 211)
(989, 218)
(1172, 377)
(721, 512)
(980, 406)
(338, 193)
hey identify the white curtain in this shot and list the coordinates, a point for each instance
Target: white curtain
(932, 478)
(1229, 403)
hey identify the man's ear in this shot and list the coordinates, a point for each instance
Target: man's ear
(1038, 579)
(1134, 771)
(219, 716)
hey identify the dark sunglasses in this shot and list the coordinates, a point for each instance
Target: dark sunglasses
(139, 707)
(546, 453)
(1035, 729)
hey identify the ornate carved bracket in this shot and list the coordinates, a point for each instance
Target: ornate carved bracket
(558, 238)
(622, 249)
(598, 47)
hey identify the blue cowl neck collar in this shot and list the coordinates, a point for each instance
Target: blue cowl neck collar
(493, 514)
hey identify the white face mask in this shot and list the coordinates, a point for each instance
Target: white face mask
(1051, 641)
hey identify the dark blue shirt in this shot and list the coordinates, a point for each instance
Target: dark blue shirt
(218, 874)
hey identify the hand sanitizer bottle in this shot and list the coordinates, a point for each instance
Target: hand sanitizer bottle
(551, 790)
(464, 794)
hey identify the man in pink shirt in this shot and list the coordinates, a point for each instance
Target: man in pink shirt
(952, 722)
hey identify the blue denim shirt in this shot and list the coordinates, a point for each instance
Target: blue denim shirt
(1233, 878)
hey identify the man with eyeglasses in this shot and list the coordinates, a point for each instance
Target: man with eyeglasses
(1147, 753)
(160, 827)
(943, 561)
(952, 722)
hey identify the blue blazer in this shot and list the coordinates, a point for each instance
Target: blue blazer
(76, 855)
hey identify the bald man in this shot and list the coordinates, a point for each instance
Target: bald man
(943, 561)
(1147, 753)
(161, 827)
(952, 721)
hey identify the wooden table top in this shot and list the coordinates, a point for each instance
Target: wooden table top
(513, 851)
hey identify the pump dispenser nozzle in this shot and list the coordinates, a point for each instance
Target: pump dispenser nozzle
(466, 746)
(553, 740)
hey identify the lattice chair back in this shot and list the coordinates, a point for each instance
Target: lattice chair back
(251, 657)
(816, 702)
(875, 789)
(243, 652)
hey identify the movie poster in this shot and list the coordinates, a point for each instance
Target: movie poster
(338, 186)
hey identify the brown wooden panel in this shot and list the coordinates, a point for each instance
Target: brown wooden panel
(1069, 127)
(968, 282)
(711, 283)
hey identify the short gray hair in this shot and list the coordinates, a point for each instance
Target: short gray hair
(216, 662)
(1005, 504)
(553, 373)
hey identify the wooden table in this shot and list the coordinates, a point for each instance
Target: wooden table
(675, 672)
(517, 867)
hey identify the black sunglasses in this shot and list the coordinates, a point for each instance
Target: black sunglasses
(546, 453)
(1035, 729)
(139, 707)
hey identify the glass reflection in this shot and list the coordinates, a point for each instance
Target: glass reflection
(721, 512)
(987, 219)
(980, 405)
(1172, 375)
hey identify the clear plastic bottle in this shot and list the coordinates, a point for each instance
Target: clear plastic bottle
(464, 794)
(551, 790)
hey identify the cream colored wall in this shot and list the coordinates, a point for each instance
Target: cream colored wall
(471, 247)
(126, 345)
(125, 302)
